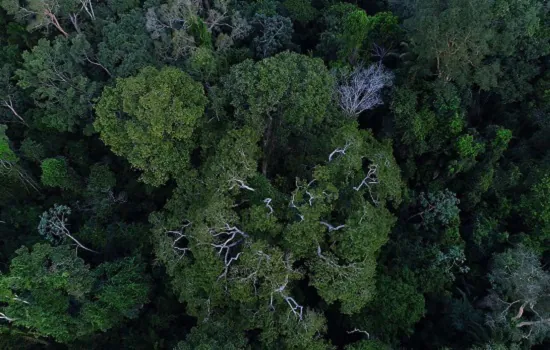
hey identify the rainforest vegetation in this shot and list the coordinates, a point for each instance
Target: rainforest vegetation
(275, 174)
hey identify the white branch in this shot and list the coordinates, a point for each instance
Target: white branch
(370, 179)
(339, 151)
(241, 184)
(4, 317)
(330, 227)
(267, 202)
(356, 330)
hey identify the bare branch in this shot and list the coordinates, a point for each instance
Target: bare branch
(357, 330)
(330, 227)
(267, 202)
(339, 151)
(4, 317)
(241, 184)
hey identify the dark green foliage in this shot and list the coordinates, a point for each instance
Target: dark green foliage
(43, 284)
(274, 34)
(58, 84)
(125, 47)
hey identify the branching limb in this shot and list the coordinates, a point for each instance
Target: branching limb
(267, 202)
(241, 184)
(370, 179)
(339, 151)
(330, 227)
(357, 330)
(4, 317)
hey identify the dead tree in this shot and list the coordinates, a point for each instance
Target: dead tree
(361, 90)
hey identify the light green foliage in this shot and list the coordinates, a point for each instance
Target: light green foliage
(59, 86)
(467, 147)
(151, 120)
(57, 173)
(355, 27)
(293, 88)
(384, 30)
(347, 27)
(351, 33)
(501, 140)
(45, 282)
(273, 230)
(202, 63)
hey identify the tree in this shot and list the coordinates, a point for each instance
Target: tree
(180, 27)
(520, 287)
(152, 119)
(438, 208)
(54, 226)
(126, 47)
(362, 89)
(57, 173)
(42, 13)
(11, 97)
(59, 86)
(10, 169)
(452, 39)
(50, 292)
(274, 34)
(280, 95)
(397, 307)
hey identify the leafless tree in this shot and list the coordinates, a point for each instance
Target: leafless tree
(361, 90)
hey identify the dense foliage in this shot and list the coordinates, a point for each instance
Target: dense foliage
(274, 174)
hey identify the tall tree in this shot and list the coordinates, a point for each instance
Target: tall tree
(152, 119)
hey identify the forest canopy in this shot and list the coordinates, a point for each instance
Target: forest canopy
(275, 174)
